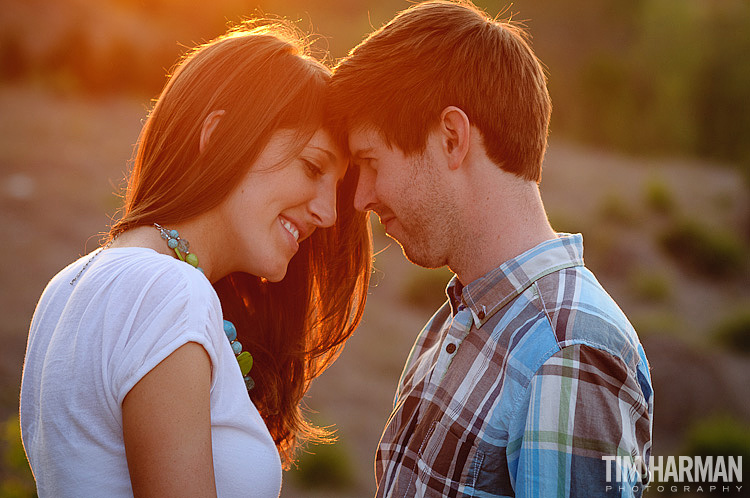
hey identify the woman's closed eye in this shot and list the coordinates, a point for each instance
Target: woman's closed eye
(313, 170)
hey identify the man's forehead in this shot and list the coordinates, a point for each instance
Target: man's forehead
(365, 139)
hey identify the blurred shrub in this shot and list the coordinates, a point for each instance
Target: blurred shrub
(426, 288)
(722, 106)
(648, 285)
(606, 254)
(13, 58)
(648, 76)
(326, 466)
(71, 61)
(18, 481)
(720, 435)
(614, 209)
(658, 197)
(733, 332)
(610, 101)
(121, 68)
(712, 252)
(723, 200)
(77, 64)
(656, 323)
(563, 222)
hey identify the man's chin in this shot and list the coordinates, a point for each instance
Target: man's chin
(420, 256)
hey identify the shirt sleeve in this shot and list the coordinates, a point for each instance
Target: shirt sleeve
(583, 408)
(165, 312)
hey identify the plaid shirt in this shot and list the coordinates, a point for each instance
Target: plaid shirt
(518, 386)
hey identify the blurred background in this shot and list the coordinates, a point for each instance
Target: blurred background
(649, 158)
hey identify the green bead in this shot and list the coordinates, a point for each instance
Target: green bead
(192, 259)
(245, 360)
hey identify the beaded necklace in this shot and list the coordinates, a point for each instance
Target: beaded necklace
(181, 247)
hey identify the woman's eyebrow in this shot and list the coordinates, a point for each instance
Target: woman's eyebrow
(331, 155)
(361, 152)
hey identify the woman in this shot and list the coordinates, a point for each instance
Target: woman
(133, 380)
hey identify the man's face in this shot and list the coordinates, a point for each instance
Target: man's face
(409, 195)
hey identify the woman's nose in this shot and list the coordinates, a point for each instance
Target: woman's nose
(323, 206)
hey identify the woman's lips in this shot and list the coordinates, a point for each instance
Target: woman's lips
(292, 232)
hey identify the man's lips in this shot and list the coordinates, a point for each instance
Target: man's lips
(386, 219)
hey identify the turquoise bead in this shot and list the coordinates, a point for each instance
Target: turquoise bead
(172, 243)
(237, 347)
(173, 234)
(230, 331)
(249, 382)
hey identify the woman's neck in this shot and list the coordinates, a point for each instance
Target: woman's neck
(149, 236)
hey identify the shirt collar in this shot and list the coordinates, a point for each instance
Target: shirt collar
(454, 291)
(489, 293)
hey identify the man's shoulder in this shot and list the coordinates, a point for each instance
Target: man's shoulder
(580, 311)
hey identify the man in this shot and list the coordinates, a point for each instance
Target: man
(530, 376)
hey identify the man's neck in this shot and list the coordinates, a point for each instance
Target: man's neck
(507, 219)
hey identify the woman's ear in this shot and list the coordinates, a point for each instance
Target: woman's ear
(209, 125)
(455, 130)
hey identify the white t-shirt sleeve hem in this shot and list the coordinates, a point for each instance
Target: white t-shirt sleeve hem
(159, 356)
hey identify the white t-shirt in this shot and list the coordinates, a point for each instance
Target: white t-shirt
(90, 343)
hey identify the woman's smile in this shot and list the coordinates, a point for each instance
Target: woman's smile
(289, 197)
(291, 227)
(291, 233)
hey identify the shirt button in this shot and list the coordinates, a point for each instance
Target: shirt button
(480, 314)
(450, 348)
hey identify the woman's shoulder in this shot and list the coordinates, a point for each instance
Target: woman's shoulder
(151, 291)
(139, 271)
(146, 261)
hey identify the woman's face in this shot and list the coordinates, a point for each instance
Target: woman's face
(280, 202)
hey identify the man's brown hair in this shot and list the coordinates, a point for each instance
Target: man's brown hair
(441, 53)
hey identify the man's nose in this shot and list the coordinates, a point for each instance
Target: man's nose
(364, 197)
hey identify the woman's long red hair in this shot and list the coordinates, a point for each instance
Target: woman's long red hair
(265, 81)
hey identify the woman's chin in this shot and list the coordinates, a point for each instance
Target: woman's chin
(277, 274)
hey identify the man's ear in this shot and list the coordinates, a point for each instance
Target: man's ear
(209, 125)
(455, 134)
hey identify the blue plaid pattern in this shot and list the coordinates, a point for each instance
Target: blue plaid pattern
(518, 386)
